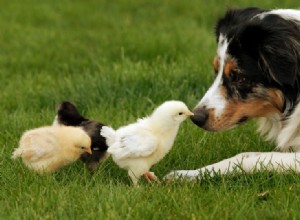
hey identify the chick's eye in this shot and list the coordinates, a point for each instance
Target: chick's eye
(180, 113)
(82, 147)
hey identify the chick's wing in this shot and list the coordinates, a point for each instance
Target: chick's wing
(134, 144)
(41, 147)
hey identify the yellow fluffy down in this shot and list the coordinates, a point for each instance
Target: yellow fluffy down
(47, 149)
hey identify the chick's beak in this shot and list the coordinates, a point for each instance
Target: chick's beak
(88, 149)
(189, 113)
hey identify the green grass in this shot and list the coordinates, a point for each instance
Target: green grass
(118, 60)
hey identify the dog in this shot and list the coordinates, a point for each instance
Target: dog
(257, 75)
(68, 114)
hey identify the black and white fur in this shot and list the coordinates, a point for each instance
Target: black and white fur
(257, 75)
(67, 114)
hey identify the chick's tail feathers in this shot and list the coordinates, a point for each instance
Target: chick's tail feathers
(17, 153)
(109, 134)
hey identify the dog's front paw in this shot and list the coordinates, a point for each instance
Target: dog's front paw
(188, 175)
(173, 175)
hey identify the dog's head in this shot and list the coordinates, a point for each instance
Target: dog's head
(256, 69)
(67, 114)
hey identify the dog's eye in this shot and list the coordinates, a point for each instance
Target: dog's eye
(242, 79)
(233, 76)
(237, 77)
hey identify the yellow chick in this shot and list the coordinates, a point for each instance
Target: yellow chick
(138, 146)
(47, 149)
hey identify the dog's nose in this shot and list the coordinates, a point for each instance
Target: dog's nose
(200, 116)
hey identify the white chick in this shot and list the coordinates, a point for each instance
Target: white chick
(47, 149)
(138, 146)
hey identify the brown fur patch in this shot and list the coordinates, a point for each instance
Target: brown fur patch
(251, 108)
(276, 97)
(229, 66)
(216, 64)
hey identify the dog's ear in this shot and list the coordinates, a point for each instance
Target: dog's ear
(234, 17)
(275, 43)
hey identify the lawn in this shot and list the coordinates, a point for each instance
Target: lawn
(118, 60)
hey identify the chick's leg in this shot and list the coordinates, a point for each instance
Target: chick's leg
(134, 177)
(150, 176)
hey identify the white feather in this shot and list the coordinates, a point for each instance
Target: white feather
(109, 134)
(138, 146)
(131, 145)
